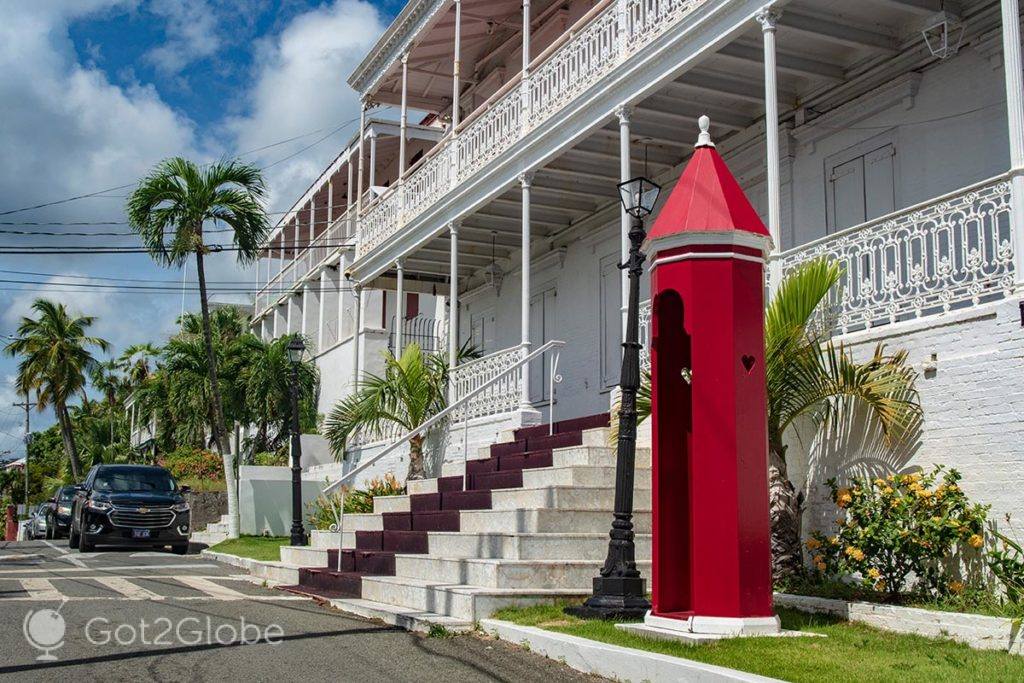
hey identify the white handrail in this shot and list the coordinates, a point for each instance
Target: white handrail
(553, 344)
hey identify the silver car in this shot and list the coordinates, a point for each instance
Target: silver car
(36, 525)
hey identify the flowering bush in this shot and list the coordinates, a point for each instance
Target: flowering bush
(193, 464)
(323, 511)
(903, 526)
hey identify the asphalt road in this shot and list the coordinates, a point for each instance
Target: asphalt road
(131, 615)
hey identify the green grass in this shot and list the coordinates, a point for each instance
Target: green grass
(254, 547)
(849, 652)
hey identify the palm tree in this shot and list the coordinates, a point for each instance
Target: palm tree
(411, 391)
(264, 387)
(169, 210)
(137, 361)
(809, 376)
(55, 361)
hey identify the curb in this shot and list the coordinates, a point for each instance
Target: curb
(272, 572)
(613, 661)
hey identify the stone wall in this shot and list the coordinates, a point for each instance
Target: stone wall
(207, 507)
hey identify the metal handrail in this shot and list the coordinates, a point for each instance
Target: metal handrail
(339, 510)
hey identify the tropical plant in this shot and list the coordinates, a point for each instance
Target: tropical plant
(1006, 561)
(809, 376)
(193, 463)
(410, 391)
(895, 529)
(169, 210)
(55, 359)
(322, 513)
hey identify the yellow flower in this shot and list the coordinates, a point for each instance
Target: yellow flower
(855, 553)
(818, 559)
(953, 488)
(956, 586)
(834, 540)
(874, 573)
(820, 566)
(976, 541)
(880, 586)
(879, 482)
(843, 498)
(813, 544)
(923, 492)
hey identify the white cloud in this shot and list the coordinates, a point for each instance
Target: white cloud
(300, 86)
(192, 34)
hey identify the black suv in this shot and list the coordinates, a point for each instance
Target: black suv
(136, 505)
(58, 518)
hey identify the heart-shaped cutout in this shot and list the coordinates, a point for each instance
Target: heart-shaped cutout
(748, 362)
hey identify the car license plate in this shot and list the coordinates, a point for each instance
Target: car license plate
(140, 533)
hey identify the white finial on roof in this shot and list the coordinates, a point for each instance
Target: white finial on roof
(704, 139)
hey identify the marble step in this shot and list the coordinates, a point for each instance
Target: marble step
(499, 573)
(528, 546)
(562, 498)
(304, 556)
(597, 455)
(581, 475)
(470, 603)
(547, 520)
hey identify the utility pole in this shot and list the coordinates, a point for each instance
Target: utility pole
(27, 405)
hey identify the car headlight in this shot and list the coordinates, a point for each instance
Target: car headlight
(63, 510)
(180, 507)
(98, 505)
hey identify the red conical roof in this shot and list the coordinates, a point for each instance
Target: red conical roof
(707, 198)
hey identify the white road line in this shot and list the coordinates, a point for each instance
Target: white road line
(62, 551)
(20, 558)
(214, 590)
(126, 588)
(73, 559)
(120, 568)
(41, 589)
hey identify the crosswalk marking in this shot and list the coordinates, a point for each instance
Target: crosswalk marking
(127, 588)
(41, 589)
(212, 589)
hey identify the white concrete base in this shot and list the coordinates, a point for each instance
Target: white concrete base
(698, 629)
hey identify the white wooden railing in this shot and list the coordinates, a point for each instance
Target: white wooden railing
(586, 55)
(948, 252)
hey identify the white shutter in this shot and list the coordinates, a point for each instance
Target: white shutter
(610, 320)
(847, 187)
(542, 327)
(879, 184)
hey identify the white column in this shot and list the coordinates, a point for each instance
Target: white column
(453, 295)
(1015, 120)
(311, 233)
(456, 66)
(322, 299)
(306, 313)
(525, 180)
(341, 297)
(624, 113)
(373, 160)
(524, 92)
(357, 318)
(330, 201)
(404, 117)
(768, 18)
(348, 199)
(400, 307)
(274, 312)
(359, 180)
(288, 329)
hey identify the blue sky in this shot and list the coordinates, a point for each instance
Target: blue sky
(94, 92)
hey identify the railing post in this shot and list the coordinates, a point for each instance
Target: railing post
(1015, 120)
(525, 104)
(622, 19)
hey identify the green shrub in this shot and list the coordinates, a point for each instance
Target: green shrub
(1007, 563)
(900, 527)
(193, 463)
(271, 459)
(322, 512)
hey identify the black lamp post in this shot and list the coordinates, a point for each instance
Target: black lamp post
(295, 350)
(619, 590)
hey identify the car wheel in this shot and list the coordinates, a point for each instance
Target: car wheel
(180, 549)
(85, 545)
(72, 538)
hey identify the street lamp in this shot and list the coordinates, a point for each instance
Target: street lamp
(295, 350)
(619, 590)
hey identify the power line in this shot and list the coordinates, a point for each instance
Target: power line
(116, 279)
(106, 249)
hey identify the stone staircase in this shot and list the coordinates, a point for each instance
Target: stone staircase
(214, 533)
(527, 523)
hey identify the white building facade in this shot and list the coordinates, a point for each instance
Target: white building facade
(895, 145)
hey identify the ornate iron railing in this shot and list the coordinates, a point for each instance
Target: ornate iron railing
(587, 55)
(499, 397)
(945, 253)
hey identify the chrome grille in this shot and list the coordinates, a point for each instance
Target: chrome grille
(142, 517)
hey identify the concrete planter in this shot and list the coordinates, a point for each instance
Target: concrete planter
(976, 630)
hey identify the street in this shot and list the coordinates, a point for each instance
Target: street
(131, 614)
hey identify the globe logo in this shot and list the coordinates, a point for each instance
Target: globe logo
(44, 630)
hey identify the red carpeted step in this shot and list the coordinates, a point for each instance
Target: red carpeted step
(425, 502)
(511, 479)
(543, 443)
(466, 500)
(406, 541)
(481, 465)
(375, 562)
(445, 520)
(509, 447)
(369, 540)
(347, 584)
(449, 484)
(397, 521)
(521, 461)
(577, 424)
(348, 560)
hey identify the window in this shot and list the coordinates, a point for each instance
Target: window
(542, 330)
(861, 183)
(610, 320)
